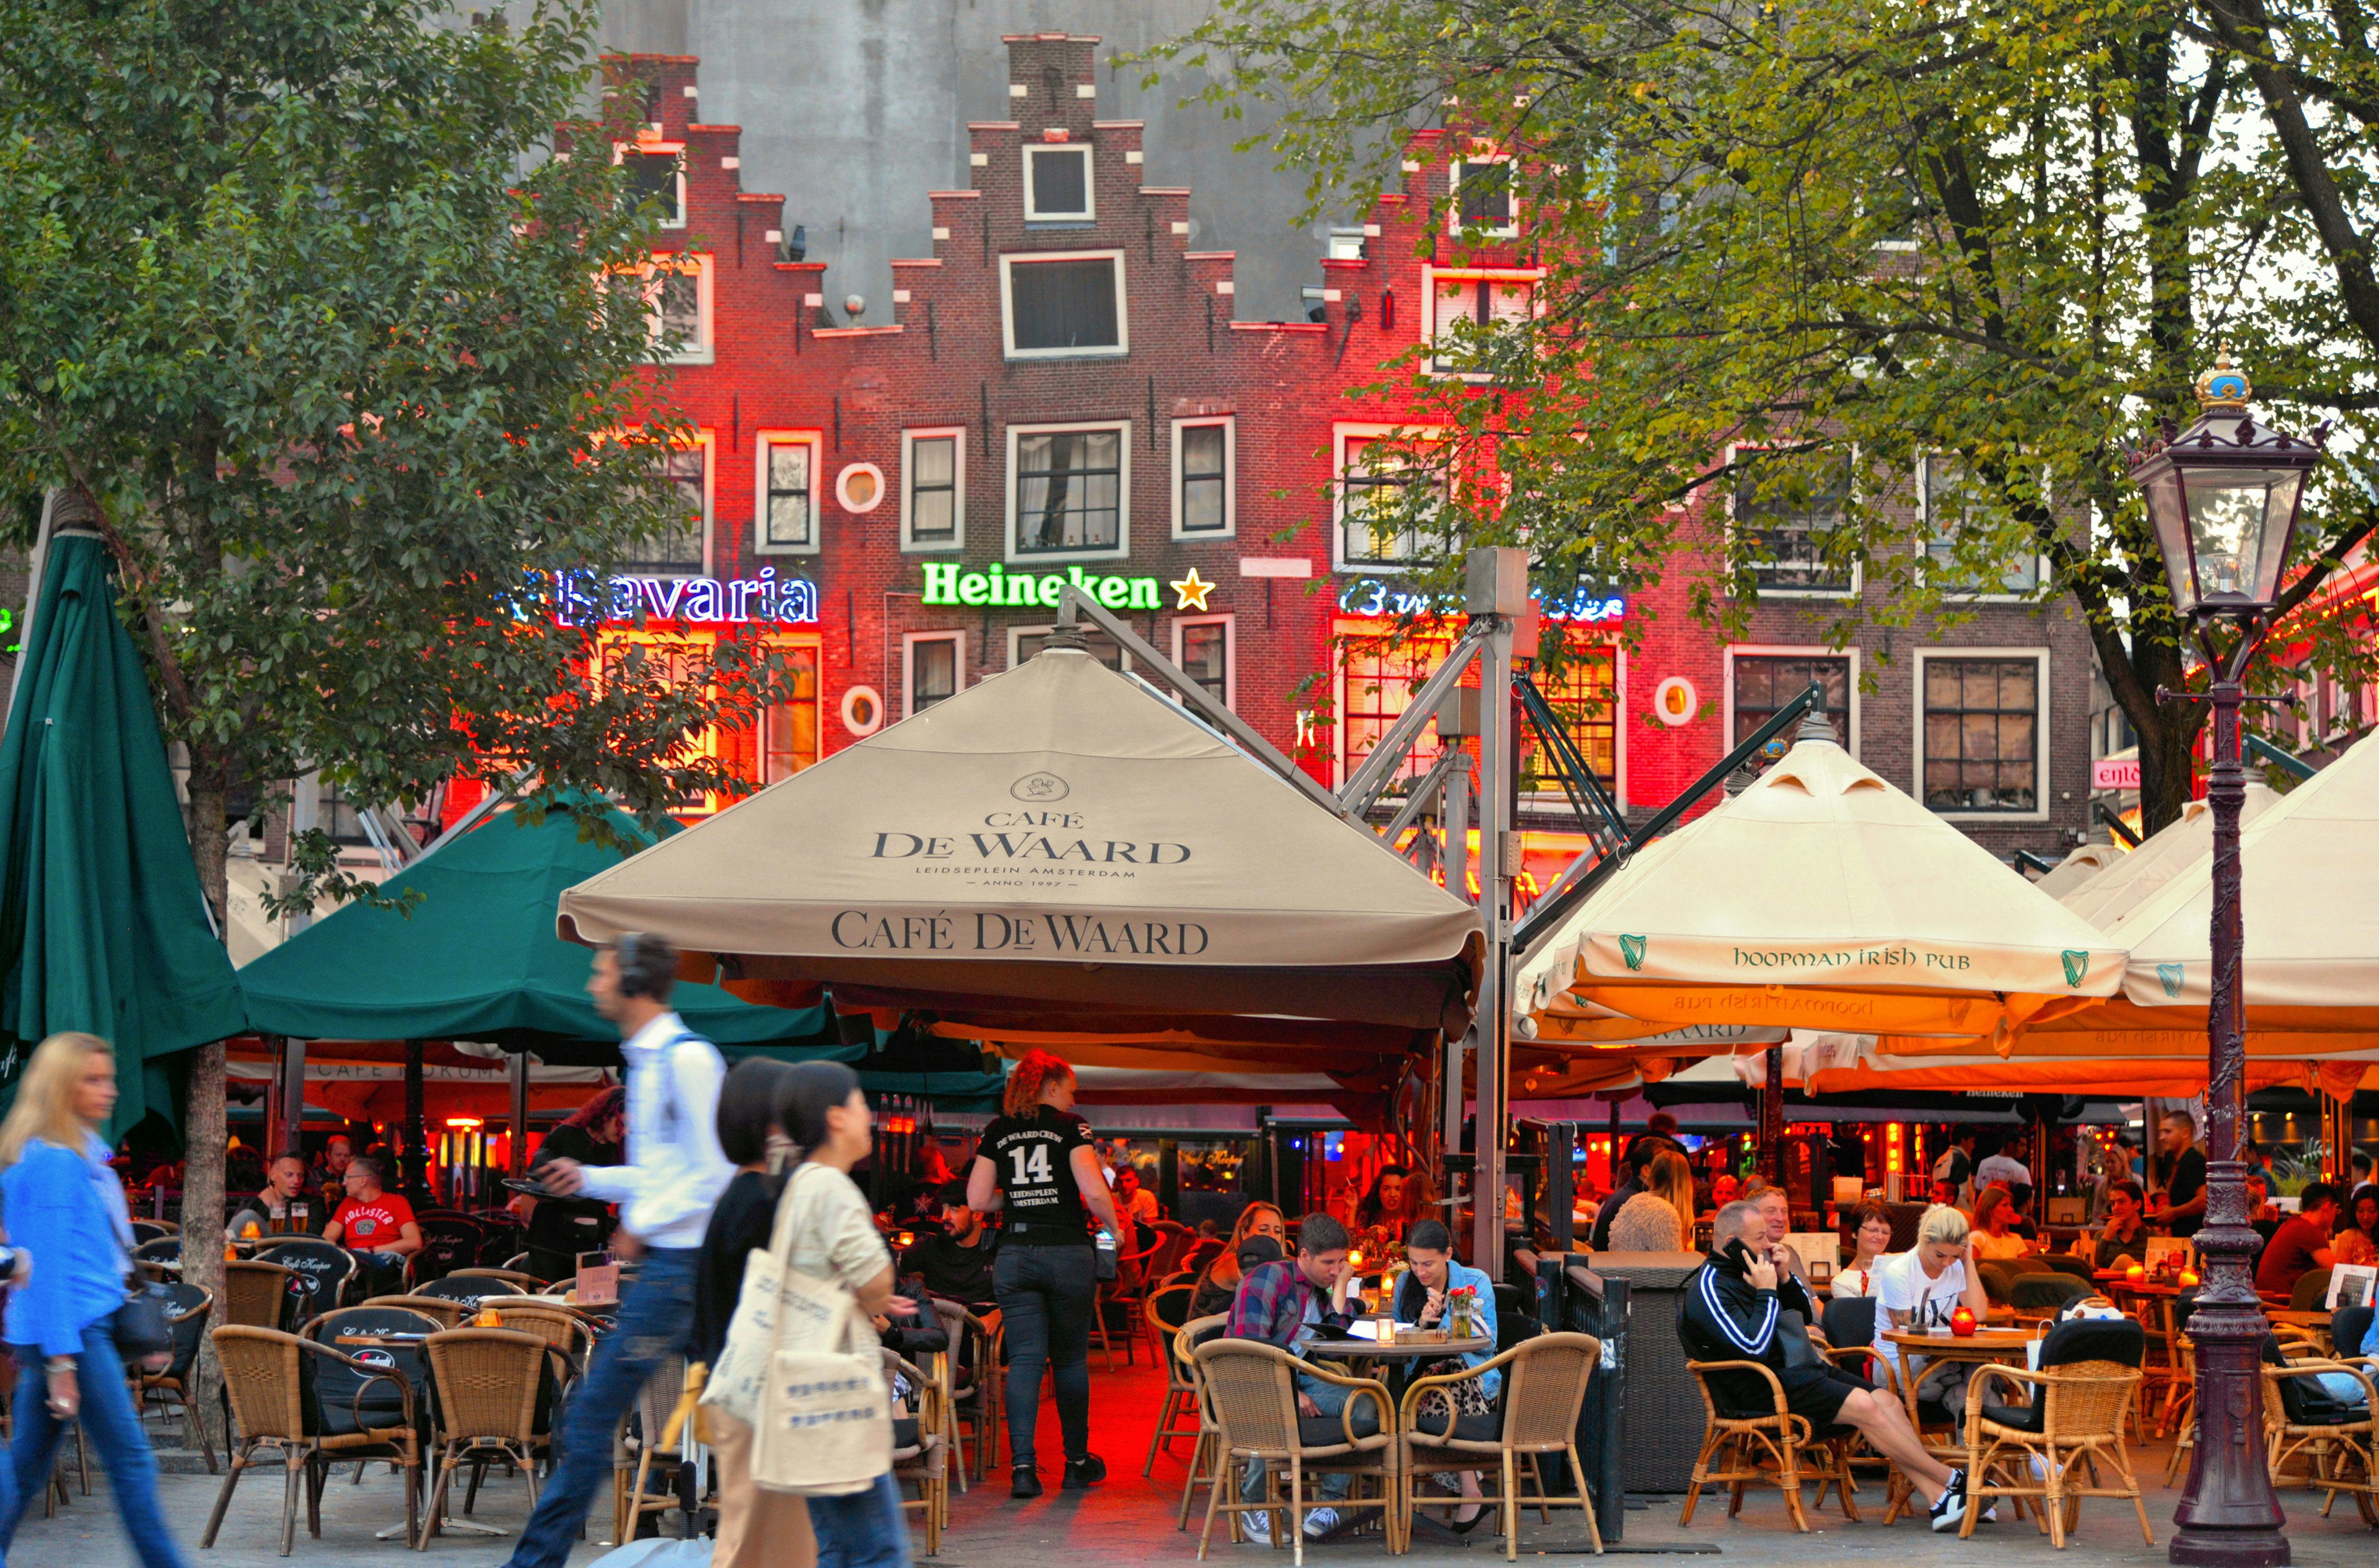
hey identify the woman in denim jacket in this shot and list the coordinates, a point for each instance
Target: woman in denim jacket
(1423, 1296)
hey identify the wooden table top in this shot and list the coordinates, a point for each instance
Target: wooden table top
(2316, 1320)
(1982, 1344)
(1403, 1349)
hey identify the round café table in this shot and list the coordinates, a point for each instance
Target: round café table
(1983, 1345)
(1392, 1361)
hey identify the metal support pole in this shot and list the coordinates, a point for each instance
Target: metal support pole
(1772, 1118)
(1458, 882)
(413, 1151)
(1495, 773)
(2228, 1515)
(293, 1098)
(519, 1085)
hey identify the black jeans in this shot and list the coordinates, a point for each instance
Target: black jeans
(1047, 1297)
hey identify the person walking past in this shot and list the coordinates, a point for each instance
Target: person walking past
(756, 1529)
(1036, 1166)
(674, 1174)
(67, 1209)
(834, 1237)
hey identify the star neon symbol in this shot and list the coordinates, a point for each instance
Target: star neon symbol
(1192, 591)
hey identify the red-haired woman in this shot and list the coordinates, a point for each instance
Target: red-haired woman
(1036, 1168)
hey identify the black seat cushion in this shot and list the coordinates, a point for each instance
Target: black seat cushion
(2303, 1402)
(1324, 1431)
(1933, 1413)
(2022, 1417)
(2049, 1291)
(2077, 1340)
(1484, 1427)
(341, 1392)
(1849, 1321)
(904, 1431)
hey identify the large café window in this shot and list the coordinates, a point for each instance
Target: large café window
(1379, 675)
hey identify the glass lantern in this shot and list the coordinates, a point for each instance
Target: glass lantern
(2223, 497)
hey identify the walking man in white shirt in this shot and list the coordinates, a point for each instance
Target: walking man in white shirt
(675, 1172)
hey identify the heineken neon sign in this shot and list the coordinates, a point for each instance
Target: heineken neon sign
(948, 583)
(581, 598)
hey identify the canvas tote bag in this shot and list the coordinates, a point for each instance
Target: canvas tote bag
(733, 1386)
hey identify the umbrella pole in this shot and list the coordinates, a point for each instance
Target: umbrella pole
(519, 1162)
(1493, 594)
(1771, 1118)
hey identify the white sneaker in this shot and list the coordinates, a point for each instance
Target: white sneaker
(1952, 1510)
(1258, 1527)
(1320, 1523)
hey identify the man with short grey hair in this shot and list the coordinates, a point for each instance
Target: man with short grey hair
(1735, 1307)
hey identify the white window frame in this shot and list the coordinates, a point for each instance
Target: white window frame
(1858, 569)
(956, 435)
(1122, 427)
(1008, 264)
(704, 350)
(1429, 275)
(1015, 635)
(1090, 182)
(1794, 650)
(1925, 544)
(707, 442)
(909, 641)
(1229, 623)
(1617, 648)
(2041, 751)
(1454, 224)
(1339, 436)
(622, 151)
(1230, 427)
(761, 441)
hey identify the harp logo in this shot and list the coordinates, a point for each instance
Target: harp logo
(2077, 964)
(2170, 975)
(1632, 949)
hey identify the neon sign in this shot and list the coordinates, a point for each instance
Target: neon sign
(947, 582)
(579, 597)
(1369, 596)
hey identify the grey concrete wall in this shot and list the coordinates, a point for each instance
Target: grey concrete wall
(856, 108)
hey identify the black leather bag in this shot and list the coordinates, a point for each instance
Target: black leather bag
(1801, 1353)
(142, 1326)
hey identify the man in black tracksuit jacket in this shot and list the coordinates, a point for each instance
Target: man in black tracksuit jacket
(1734, 1310)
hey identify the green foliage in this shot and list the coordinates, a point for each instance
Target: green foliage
(1796, 246)
(296, 297)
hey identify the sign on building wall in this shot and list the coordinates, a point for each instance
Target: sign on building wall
(947, 582)
(2115, 773)
(580, 598)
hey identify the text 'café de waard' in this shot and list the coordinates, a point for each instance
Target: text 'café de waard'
(1061, 393)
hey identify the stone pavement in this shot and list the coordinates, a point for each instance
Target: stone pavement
(1130, 1521)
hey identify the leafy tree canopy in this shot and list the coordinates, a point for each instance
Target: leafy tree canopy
(1797, 249)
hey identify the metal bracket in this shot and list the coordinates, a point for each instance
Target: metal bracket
(1363, 785)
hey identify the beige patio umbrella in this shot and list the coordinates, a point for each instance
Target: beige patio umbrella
(1852, 1064)
(1820, 897)
(2078, 869)
(1056, 854)
(2167, 853)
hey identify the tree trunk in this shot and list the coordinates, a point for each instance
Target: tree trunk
(204, 1136)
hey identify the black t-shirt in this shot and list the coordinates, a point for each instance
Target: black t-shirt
(2187, 1181)
(746, 1216)
(567, 1226)
(1032, 1158)
(954, 1272)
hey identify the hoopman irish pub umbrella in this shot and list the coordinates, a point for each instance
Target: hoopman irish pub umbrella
(101, 924)
(1820, 897)
(477, 957)
(1057, 856)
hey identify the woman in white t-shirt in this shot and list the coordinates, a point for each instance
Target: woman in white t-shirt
(1919, 1289)
(1871, 1239)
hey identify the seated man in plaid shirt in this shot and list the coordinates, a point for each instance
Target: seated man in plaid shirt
(1275, 1302)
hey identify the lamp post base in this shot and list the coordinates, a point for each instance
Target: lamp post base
(2229, 1515)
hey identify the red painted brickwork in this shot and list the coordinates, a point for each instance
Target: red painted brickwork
(785, 357)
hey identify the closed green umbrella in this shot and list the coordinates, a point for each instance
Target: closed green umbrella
(477, 957)
(101, 924)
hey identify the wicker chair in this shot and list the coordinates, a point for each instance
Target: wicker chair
(921, 1450)
(520, 1280)
(1176, 1415)
(2332, 1439)
(1205, 1457)
(634, 1453)
(1770, 1446)
(495, 1401)
(259, 1295)
(270, 1377)
(2088, 1380)
(1545, 1380)
(469, 1289)
(325, 1270)
(188, 1319)
(973, 1407)
(1127, 1293)
(561, 1327)
(445, 1309)
(1251, 1393)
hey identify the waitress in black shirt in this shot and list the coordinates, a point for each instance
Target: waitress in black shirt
(1036, 1167)
(561, 1228)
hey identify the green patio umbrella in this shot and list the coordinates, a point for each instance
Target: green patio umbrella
(101, 924)
(476, 958)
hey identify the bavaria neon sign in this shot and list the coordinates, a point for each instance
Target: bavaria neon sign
(580, 598)
(947, 583)
(1589, 606)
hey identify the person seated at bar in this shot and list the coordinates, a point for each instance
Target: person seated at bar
(1995, 1233)
(2262, 1214)
(1220, 1280)
(1274, 1304)
(1660, 1218)
(954, 1255)
(1871, 1246)
(284, 1207)
(2126, 1231)
(1733, 1311)
(376, 1223)
(2302, 1242)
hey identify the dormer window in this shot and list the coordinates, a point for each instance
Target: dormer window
(1481, 189)
(1058, 185)
(658, 178)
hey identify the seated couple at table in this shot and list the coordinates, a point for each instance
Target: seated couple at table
(1279, 1299)
(1738, 1306)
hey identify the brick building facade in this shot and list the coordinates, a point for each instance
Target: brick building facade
(1063, 388)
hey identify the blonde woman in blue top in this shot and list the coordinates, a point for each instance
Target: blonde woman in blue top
(1423, 1296)
(65, 1208)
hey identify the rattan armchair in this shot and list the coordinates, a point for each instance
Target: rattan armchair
(447, 1311)
(2084, 1391)
(2332, 1438)
(1206, 1455)
(258, 1296)
(634, 1452)
(1535, 1417)
(495, 1403)
(1251, 1390)
(519, 1279)
(557, 1324)
(1769, 1445)
(188, 1320)
(971, 1386)
(270, 1387)
(1176, 1414)
(921, 1450)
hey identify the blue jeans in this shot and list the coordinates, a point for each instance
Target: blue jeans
(656, 1317)
(1046, 1295)
(863, 1530)
(110, 1424)
(1330, 1400)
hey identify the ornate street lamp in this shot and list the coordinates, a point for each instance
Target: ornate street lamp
(2223, 496)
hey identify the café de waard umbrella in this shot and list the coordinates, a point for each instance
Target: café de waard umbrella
(1820, 897)
(1058, 856)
